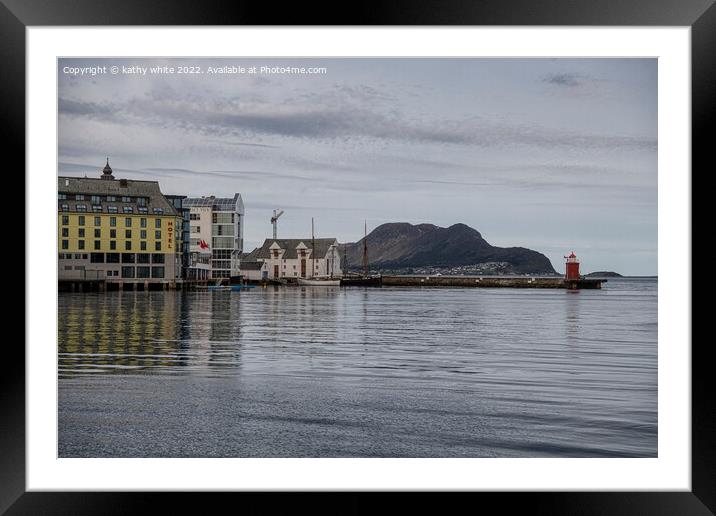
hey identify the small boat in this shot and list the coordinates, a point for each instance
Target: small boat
(319, 282)
(234, 288)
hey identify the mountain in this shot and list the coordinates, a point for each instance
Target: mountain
(400, 245)
(604, 274)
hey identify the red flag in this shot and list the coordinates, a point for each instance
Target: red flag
(203, 245)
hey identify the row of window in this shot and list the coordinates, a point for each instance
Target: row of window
(141, 272)
(216, 218)
(115, 257)
(112, 233)
(112, 221)
(111, 209)
(112, 245)
(96, 199)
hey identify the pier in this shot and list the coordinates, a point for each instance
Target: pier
(492, 282)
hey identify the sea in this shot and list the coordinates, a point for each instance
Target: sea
(360, 372)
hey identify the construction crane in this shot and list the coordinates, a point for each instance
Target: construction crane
(274, 219)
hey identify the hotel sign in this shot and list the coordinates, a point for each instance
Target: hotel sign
(170, 233)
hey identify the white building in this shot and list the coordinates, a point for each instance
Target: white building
(293, 258)
(216, 236)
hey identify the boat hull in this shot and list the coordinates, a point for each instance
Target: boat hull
(319, 282)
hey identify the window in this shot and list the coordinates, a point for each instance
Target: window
(96, 207)
(97, 233)
(127, 209)
(126, 199)
(127, 257)
(113, 244)
(157, 235)
(157, 258)
(141, 201)
(65, 244)
(79, 197)
(158, 211)
(222, 218)
(157, 246)
(142, 246)
(112, 257)
(112, 209)
(143, 222)
(113, 221)
(128, 245)
(142, 272)
(127, 233)
(81, 232)
(128, 222)
(65, 232)
(95, 199)
(98, 221)
(80, 207)
(157, 272)
(97, 257)
(80, 244)
(157, 223)
(143, 258)
(142, 233)
(222, 242)
(194, 216)
(127, 272)
(224, 229)
(97, 245)
(195, 229)
(62, 196)
(65, 220)
(65, 207)
(142, 209)
(109, 273)
(78, 256)
(111, 198)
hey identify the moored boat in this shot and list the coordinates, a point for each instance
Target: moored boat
(319, 282)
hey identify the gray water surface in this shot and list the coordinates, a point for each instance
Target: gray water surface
(360, 372)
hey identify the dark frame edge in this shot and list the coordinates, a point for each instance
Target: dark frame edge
(701, 500)
(12, 381)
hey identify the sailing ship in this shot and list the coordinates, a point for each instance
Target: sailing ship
(364, 280)
(316, 281)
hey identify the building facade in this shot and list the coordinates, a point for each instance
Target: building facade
(116, 230)
(294, 258)
(216, 238)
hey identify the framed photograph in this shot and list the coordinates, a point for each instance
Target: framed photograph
(443, 248)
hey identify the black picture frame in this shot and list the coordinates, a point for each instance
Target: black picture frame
(700, 15)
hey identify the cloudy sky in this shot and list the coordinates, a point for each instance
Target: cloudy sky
(551, 154)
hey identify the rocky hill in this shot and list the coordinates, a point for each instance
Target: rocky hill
(400, 245)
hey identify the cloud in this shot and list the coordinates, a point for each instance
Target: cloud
(570, 80)
(222, 117)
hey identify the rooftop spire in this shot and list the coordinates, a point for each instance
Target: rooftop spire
(107, 171)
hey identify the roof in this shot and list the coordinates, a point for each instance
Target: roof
(290, 245)
(217, 203)
(118, 188)
(251, 266)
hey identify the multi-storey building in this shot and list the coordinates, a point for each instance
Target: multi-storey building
(216, 236)
(293, 258)
(184, 212)
(116, 231)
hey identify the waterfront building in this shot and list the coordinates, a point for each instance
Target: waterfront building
(216, 238)
(116, 231)
(294, 258)
(184, 213)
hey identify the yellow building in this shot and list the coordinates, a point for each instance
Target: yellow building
(116, 230)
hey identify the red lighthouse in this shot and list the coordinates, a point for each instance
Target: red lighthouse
(572, 267)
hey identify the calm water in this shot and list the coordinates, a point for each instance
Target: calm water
(336, 372)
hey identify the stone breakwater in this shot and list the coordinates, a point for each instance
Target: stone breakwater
(489, 282)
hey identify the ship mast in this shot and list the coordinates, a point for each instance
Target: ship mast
(365, 250)
(313, 252)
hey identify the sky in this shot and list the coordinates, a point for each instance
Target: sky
(556, 155)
